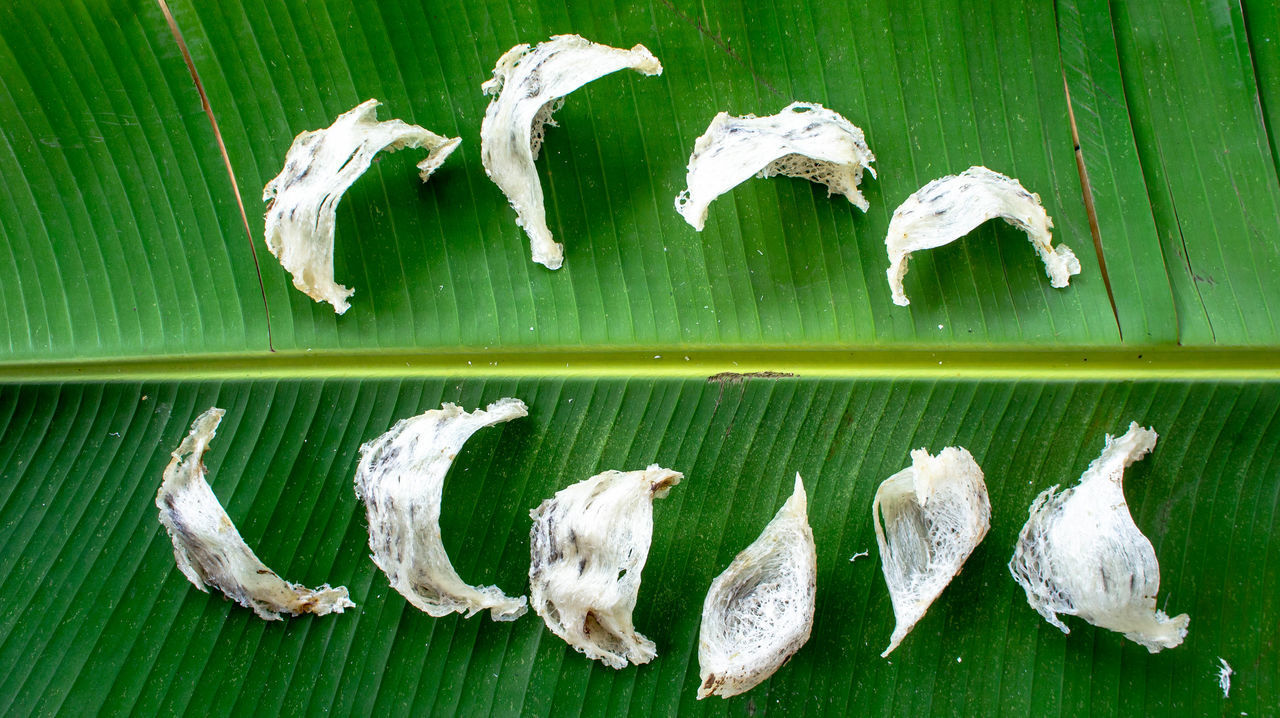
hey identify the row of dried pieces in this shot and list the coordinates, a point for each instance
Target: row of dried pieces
(1078, 554)
(803, 140)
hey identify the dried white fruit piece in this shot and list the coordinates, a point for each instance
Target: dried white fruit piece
(529, 84)
(1081, 554)
(759, 612)
(401, 479)
(935, 513)
(302, 201)
(947, 209)
(208, 548)
(588, 547)
(804, 140)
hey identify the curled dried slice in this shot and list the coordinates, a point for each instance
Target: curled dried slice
(401, 480)
(934, 513)
(1081, 554)
(947, 209)
(529, 84)
(804, 140)
(759, 612)
(588, 547)
(302, 201)
(208, 548)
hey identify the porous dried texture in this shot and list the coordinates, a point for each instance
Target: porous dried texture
(759, 612)
(302, 201)
(588, 547)
(209, 549)
(529, 84)
(804, 140)
(401, 479)
(947, 209)
(929, 518)
(1081, 554)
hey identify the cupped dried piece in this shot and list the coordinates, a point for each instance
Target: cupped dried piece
(400, 478)
(929, 518)
(209, 549)
(759, 612)
(947, 209)
(804, 140)
(529, 84)
(302, 201)
(1080, 553)
(588, 546)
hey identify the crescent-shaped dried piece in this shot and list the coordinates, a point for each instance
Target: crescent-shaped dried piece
(209, 549)
(935, 513)
(948, 208)
(302, 201)
(529, 85)
(759, 612)
(400, 478)
(804, 140)
(588, 546)
(1081, 554)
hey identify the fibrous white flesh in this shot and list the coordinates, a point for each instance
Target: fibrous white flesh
(401, 479)
(208, 548)
(529, 84)
(947, 209)
(588, 547)
(935, 513)
(759, 612)
(805, 140)
(302, 201)
(1081, 554)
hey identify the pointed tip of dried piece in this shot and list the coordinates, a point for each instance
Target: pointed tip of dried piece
(950, 207)
(804, 140)
(528, 85)
(209, 550)
(935, 513)
(302, 201)
(1081, 554)
(759, 611)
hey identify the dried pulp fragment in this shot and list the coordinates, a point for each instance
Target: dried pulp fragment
(208, 548)
(805, 140)
(529, 84)
(934, 513)
(759, 612)
(1081, 554)
(589, 543)
(302, 201)
(947, 209)
(401, 479)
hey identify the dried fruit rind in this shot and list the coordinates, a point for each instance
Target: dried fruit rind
(804, 140)
(759, 612)
(588, 546)
(209, 549)
(929, 518)
(948, 208)
(400, 478)
(1081, 554)
(302, 201)
(529, 84)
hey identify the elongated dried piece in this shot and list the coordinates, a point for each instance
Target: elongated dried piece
(929, 518)
(400, 478)
(759, 612)
(947, 209)
(302, 201)
(588, 547)
(1081, 554)
(208, 548)
(804, 140)
(529, 84)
